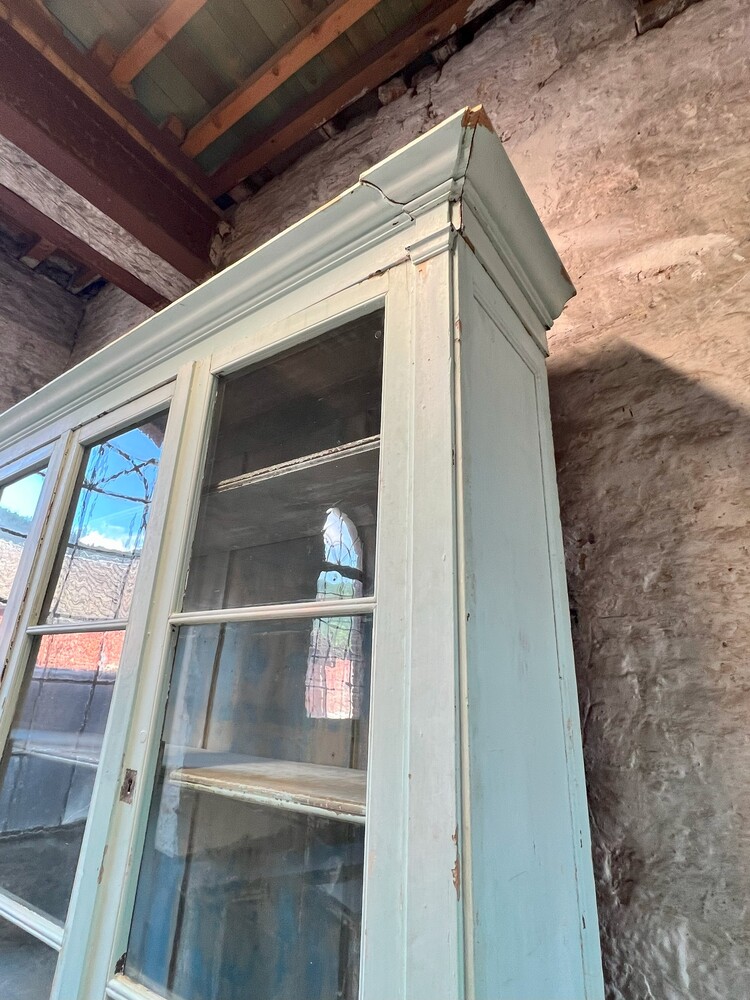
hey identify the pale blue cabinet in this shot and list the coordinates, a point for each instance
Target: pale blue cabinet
(329, 743)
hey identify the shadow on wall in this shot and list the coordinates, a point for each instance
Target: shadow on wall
(655, 496)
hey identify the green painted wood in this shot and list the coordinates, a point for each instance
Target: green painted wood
(479, 870)
(520, 829)
(163, 85)
(339, 53)
(197, 70)
(88, 22)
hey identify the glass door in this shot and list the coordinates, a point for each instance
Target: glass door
(62, 672)
(251, 875)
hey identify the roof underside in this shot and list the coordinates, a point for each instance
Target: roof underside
(219, 48)
(128, 126)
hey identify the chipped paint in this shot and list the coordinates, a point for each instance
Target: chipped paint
(101, 867)
(456, 874)
(477, 117)
(456, 869)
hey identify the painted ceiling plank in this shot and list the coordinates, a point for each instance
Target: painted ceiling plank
(339, 53)
(431, 26)
(319, 33)
(153, 38)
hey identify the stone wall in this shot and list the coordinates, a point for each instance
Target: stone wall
(108, 316)
(636, 153)
(38, 322)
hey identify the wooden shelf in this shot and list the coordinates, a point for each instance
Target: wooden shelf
(334, 792)
(290, 502)
(312, 461)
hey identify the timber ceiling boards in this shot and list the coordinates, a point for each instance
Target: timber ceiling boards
(125, 123)
(221, 75)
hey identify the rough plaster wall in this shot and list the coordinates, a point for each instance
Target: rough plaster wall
(107, 316)
(636, 152)
(38, 321)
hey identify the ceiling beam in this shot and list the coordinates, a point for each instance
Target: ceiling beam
(35, 24)
(46, 192)
(39, 252)
(29, 217)
(430, 27)
(153, 38)
(329, 25)
(43, 113)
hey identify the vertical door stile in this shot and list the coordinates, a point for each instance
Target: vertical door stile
(114, 821)
(383, 922)
(433, 867)
(462, 290)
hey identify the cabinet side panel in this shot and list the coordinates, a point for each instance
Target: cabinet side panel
(522, 814)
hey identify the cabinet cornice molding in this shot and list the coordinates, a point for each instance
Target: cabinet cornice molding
(441, 241)
(394, 209)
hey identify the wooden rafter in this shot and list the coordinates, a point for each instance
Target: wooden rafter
(42, 111)
(430, 27)
(329, 25)
(39, 252)
(31, 218)
(35, 25)
(153, 38)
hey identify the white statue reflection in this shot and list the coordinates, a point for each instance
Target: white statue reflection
(335, 662)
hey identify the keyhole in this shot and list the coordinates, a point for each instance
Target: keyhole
(128, 784)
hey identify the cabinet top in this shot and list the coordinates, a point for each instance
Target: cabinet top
(456, 176)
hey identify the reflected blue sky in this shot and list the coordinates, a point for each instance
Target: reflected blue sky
(21, 497)
(118, 484)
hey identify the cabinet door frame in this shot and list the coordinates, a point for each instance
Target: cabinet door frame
(123, 830)
(64, 456)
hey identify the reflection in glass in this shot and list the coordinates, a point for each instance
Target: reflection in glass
(251, 880)
(18, 502)
(97, 565)
(48, 768)
(294, 437)
(335, 661)
(27, 966)
(264, 541)
(243, 688)
(247, 902)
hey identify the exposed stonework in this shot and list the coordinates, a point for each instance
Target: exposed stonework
(38, 321)
(636, 153)
(108, 315)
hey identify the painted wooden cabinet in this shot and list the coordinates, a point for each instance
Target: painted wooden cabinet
(288, 699)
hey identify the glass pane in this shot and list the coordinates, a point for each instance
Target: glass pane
(27, 966)
(49, 764)
(251, 880)
(306, 535)
(295, 690)
(97, 565)
(237, 901)
(18, 501)
(292, 476)
(317, 396)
